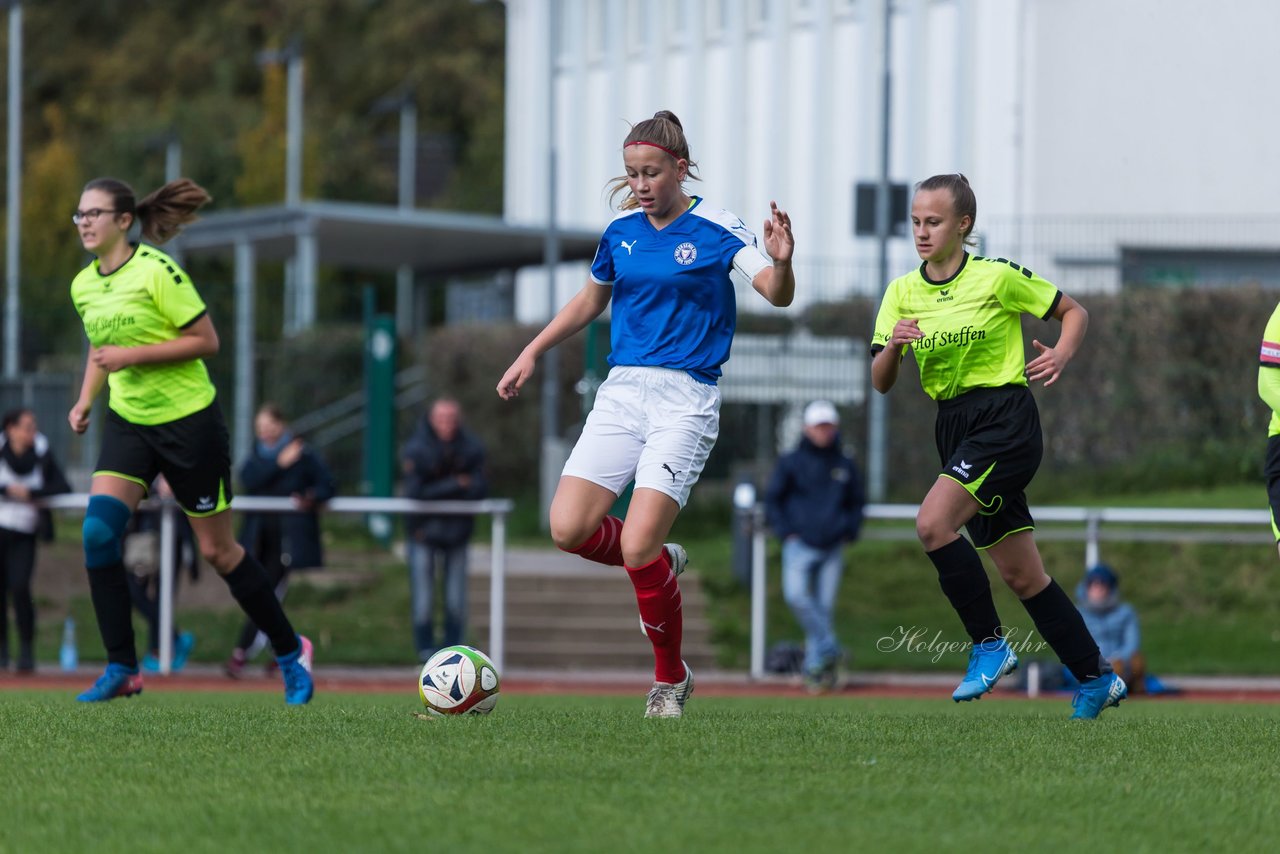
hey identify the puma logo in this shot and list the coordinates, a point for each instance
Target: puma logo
(627, 246)
(672, 472)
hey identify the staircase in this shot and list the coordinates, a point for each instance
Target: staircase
(565, 613)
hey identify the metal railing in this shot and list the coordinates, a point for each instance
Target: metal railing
(168, 509)
(1091, 521)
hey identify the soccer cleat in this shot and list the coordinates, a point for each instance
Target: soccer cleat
(116, 681)
(1097, 694)
(816, 683)
(988, 661)
(296, 670)
(234, 666)
(679, 559)
(182, 646)
(182, 650)
(666, 699)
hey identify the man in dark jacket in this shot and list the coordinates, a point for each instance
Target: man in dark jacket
(442, 462)
(814, 504)
(282, 465)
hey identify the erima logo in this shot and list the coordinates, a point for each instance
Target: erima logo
(945, 296)
(671, 471)
(962, 469)
(627, 246)
(204, 503)
(686, 254)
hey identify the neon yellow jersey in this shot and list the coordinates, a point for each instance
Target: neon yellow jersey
(148, 300)
(1269, 371)
(972, 323)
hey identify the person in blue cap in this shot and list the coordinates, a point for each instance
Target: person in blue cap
(1113, 624)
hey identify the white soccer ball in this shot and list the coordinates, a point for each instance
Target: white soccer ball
(458, 680)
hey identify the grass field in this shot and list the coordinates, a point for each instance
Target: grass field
(206, 772)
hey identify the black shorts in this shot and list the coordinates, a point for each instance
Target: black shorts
(989, 442)
(193, 454)
(1272, 472)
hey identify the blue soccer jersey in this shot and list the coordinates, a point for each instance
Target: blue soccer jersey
(673, 290)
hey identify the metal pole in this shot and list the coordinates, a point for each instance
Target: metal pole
(758, 593)
(167, 532)
(408, 152)
(306, 264)
(242, 436)
(551, 252)
(172, 158)
(408, 183)
(172, 172)
(293, 134)
(13, 231)
(497, 589)
(1093, 530)
(878, 409)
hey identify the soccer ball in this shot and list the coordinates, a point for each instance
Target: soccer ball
(458, 680)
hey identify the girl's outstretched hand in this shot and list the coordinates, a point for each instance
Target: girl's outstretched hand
(778, 240)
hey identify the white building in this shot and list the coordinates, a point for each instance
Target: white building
(1107, 141)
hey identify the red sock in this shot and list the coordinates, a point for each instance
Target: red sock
(658, 596)
(605, 545)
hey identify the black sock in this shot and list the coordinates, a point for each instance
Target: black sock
(1060, 624)
(249, 584)
(109, 590)
(964, 580)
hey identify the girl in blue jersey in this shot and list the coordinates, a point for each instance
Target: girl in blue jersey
(961, 318)
(669, 263)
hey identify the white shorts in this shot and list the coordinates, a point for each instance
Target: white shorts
(656, 425)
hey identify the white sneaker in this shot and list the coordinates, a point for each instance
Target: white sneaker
(666, 700)
(679, 559)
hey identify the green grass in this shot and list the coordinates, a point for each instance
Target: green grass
(216, 772)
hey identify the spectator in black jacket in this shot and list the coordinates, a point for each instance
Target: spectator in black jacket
(442, 461)
(28, 471)
(814, 504)
(280, 464)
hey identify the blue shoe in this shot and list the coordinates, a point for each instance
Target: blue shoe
(116, 681)
(150, 663)
(1097, 694)
(988, 661)
(295, 668)
(182, 647)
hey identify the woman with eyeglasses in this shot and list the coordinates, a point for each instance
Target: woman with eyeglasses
(149, 332)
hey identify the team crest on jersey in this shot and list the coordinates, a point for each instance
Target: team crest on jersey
(686, 254)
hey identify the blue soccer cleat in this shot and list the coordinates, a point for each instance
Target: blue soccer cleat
(116, 681)
(182, 647)
(988, 661)
(1097, 694)
(295, 668)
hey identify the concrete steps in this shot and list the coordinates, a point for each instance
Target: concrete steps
(570, 621)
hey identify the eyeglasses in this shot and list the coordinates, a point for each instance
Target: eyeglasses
(90, 215)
